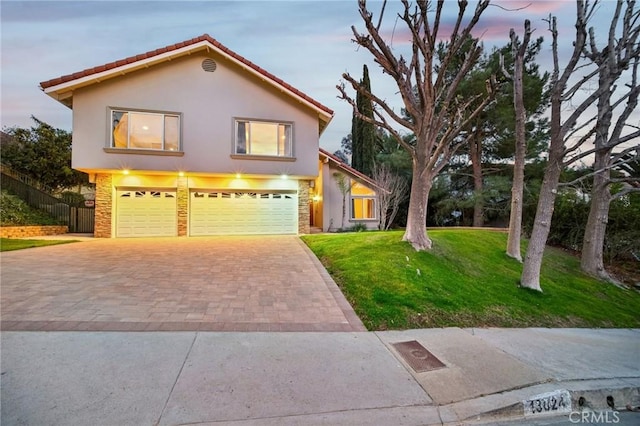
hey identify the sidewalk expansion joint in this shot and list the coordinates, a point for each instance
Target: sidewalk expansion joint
(164, 407)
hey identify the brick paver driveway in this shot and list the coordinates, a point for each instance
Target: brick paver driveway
(257, 283)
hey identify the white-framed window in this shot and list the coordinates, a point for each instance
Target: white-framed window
(145, 130)
(253, 137)
(364, 205)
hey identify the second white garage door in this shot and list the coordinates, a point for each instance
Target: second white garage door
(243, 213)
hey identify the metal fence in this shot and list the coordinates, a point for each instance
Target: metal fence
(78, 219)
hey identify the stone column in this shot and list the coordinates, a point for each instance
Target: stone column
(183, 206)
(104, 206)
(303, 207)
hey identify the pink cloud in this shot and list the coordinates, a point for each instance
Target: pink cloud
(488, 30)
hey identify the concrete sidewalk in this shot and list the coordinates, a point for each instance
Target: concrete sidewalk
(306, 378)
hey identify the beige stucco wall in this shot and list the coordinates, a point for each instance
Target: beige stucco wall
(332, 203)
(208, 103)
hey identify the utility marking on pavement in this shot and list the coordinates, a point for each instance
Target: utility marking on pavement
(558, 401)
(417, 356)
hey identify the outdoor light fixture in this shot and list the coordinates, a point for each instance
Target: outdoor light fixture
(181, 174)
(284, 177)
(238, 175)
(125, 172)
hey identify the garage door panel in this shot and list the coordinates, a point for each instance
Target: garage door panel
(146, 213)
(220, 213)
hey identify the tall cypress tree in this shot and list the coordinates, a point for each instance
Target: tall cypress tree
(368, 130)
(363, 134)
(356, 150)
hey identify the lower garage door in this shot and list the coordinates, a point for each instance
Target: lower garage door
(146, 213)
(237, 213)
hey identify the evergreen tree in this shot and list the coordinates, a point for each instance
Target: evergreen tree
(43, 153)
(363, 134)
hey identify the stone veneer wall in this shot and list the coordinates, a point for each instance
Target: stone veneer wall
(183, 206)
(303, 207)
(104, 206)
(31, 231)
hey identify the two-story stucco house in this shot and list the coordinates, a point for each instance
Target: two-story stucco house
(193, 139)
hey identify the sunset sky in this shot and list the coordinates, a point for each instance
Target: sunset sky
(306, 43)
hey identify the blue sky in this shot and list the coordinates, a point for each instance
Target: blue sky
(306, 43)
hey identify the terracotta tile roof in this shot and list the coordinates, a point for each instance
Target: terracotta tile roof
(348, 168)
(205, 37)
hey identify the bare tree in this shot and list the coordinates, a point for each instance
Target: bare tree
(434, 112)
(568, 136)
(517, 190)
(344, 186)
(393, 191)
(622, 51)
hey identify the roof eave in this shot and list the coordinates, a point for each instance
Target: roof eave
(98, 77)
(350, 170)
(65, 90)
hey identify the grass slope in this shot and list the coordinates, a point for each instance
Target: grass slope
(9, 244)
(467, 281)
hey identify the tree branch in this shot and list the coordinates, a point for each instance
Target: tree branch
(610, 166)
(624, 192)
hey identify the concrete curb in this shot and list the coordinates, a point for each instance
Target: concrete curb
(588, 395)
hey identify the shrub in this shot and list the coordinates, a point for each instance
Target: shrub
(15, 212)
(623, 229)
(569, 220)
(358, 227)
(622, 240)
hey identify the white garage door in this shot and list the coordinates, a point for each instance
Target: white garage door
(146, 213)
(237, 213)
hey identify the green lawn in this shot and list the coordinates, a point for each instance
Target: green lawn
(9, 244)
(467, 281)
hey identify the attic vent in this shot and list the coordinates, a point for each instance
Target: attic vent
(209, 65)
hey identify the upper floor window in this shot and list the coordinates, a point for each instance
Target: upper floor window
(263, 138)
(145, 130)
(363, 202)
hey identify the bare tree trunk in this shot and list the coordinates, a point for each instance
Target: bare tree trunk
(416, 231)
(517, 189)
(542, 224)
(611, 59)
(515, 215)
(555, 162)
(592, 261)
(475, 151)
(344, 187)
